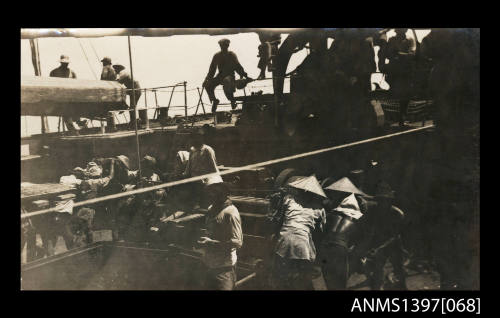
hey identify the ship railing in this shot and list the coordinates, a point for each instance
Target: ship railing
(172, 89)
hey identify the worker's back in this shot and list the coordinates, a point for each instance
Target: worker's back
(227, 63)
(202, 161)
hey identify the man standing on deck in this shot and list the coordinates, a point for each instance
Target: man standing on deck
(108, 73)
(227, 63)
(64, 71)
(400, 51)
(201, 161)
(123, 77)
(224, 236)
(268, 47)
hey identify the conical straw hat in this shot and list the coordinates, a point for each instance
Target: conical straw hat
(345, 185)
(350, 207)
(309, 184)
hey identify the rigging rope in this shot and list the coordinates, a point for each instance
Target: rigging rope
(228, 171)
(94, 50)
(79, 42)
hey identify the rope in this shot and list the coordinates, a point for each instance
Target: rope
(270, 78)
(228, 171)
(79, 42)
(95, 52)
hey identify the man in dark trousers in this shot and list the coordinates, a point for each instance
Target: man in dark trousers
(108, 74)
(268, 47)
(400, 51)
(380, 239)
(223, 237)
(65, 72)
(123, 77)
(227, 63)
(341, 232)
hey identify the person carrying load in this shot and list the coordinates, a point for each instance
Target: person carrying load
(340, 231)
(295, 219)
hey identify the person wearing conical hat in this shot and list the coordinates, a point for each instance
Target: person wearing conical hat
(298, 217)
(345, 185)
(340, 231)
(338, 190)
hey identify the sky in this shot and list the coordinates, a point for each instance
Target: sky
(157, 61)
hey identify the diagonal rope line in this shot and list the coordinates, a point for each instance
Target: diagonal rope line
(79, 42)
(93, 49)
(228, 171)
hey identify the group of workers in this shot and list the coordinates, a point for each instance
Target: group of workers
(109, 72)
(399, 50)
(139, 217)
(225, 61)
(349, 64)
(338, 226)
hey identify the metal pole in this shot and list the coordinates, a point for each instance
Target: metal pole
(275, 102)
(146, 105)
(134, 106)
(185, 102)
(155, 116)
(35, 58)
(170, 100)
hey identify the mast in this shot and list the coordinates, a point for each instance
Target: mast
(35, 59)
(132, 102)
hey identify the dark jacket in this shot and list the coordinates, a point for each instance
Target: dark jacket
(62, 72)
(108, 73)
(226, 63)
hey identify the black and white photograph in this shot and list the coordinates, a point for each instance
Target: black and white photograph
(268, 159)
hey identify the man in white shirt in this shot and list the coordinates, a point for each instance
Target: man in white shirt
(202, 161)
(224, 236)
